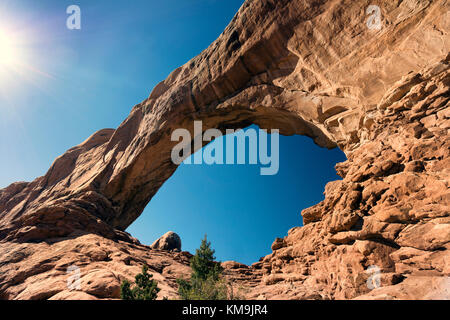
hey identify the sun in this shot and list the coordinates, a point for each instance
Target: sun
(8, 51)
(18, 63)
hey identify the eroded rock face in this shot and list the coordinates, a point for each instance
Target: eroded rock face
(304, 67)
(390, 211)
(49, 269)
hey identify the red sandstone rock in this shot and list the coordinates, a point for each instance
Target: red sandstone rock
(304, 67)
(169, 241)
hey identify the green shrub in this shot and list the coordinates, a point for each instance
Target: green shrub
(206, 281)
(145, 288)
(208, 289)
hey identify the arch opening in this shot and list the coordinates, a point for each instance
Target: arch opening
(240, 210)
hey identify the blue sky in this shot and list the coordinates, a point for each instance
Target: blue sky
(71, 83)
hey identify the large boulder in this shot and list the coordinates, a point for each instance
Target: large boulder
(169, 241)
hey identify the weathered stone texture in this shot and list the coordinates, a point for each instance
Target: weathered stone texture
(305, 67)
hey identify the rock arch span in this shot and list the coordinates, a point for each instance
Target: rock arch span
(304, 67)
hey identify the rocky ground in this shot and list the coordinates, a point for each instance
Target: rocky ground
(44, 270)
(305, 67)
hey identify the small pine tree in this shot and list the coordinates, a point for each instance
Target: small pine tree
(125, 291)
(203, 262)
(145, 288)
(205, 282)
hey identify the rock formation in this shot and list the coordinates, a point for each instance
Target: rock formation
(313, 68)
(50, 269)
(390, 211)
(169, 241)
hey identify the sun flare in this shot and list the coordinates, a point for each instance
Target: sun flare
(8, 51)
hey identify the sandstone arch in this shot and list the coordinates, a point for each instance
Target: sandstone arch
(306, 67)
